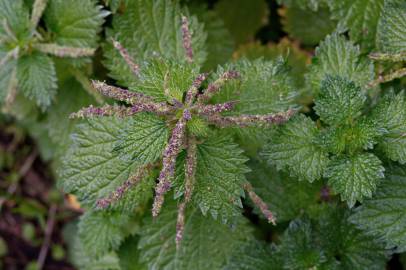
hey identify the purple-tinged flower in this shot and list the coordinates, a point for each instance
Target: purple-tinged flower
(250, 120)
(120, 94)
(215, 109)
(187, 39)
(193, 90)
(127, 58)
(260, 203)
(106, 110)
(214, 87)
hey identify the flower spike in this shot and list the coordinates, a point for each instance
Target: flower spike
(214, 87)
(260, 204)
(187, 39)
(169, 160)
(127, 58)
(190, 171)
(120, 94)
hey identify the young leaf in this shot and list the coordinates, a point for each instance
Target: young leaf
(339, 101)
(360, 17)
(391, 36)
(143, 139)
(384, 215)
(219, 177)
(337, 56)
(293, 148)
(101, 232)
(15, 16)
(354, 177)
(207, 244)
(36, 77)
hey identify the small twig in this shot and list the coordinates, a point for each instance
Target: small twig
(48, 233)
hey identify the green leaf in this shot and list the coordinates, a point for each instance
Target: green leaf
(337, 56)
(254, 255)
(341, 239)
(384, 215)
(91, 170)
(102, 231)
(285, 197)
(339, 101)
(143, 139)
(391, 33)
(303, 4)
(16, 15)
(164, 80)
(360, 17)
(390, 114)
(206, 244)
(219, 177)
(300, 248)
(129, 255)
(355, 177)
(36, 77)
(318, 24)
(7, 75)
(254, 13)
(293, 147)
(78, 257)
(150, 28)
(74, 23)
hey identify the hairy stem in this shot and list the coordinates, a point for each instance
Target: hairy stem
(37, 11)
(63, 51)
(387, 78)
(395, 57)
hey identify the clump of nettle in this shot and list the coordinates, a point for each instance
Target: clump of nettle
(177, 122)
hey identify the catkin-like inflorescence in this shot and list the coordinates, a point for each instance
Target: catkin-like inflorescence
(135, 69)
(190, 171)
(120, 94)
(215, 109)
(187, 39)
(133, 180)
(260, 204)
(62, 51)
(169, 160)
(250, 120)
(214, 87)
(193, 90)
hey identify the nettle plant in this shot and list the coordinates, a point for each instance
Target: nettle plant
(202, 149)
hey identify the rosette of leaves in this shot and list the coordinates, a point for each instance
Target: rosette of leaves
(344, 145)
(26, 47)
(168, 125)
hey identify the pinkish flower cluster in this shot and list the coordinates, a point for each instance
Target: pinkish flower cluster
(193, 105)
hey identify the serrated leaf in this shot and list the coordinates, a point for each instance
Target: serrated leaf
(143, 139)
(337, 56)
(219, 177)
(360, 17)
(254, 255)
(390, 114)
(300, 248)
(16, 15)
(80, 259)
(293, 147)
(354, 177)
(150, 28)
(303, 4)
(101, 232)
(318, 24)
(36, 77)
(129, 255)
(391, 33)
(254, 13)
(384, 215)
(7, 72)
(339, 101)
(74, 23)
(206, 244)
(91, 169)
(285, 197)
(352, 247)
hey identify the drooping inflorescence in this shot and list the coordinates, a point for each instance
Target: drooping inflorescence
(193, 105)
